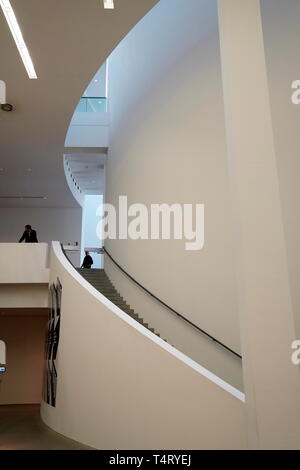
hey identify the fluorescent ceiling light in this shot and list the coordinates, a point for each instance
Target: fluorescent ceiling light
(109, 4)
(18, 37)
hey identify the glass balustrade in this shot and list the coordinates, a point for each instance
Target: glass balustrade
(92, 105)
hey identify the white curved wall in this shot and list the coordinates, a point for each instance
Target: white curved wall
(88, 130)
(121, 387)
(282, 36)
(167, 144)
(24, 263)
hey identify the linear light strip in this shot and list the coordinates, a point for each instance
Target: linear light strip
(18, 37)
(23, 197)
(109, 4)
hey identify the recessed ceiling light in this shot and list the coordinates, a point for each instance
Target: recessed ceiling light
(96, 81)
(18, 37)
(109, 4)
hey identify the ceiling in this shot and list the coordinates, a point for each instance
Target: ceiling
(88, 170)
(68, 41)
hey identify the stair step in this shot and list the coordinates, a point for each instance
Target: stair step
(103, 285)
(103, 288)
(88, 273)
(119, 303)
(100, 281)
(113, 296)
(133, 314)
(99, 277)
(122, 306)
(94, 273)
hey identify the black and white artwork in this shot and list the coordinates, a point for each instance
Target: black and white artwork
(52, 342)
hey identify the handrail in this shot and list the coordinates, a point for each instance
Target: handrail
(170, 308)
(93, 98)
(64, 252)
(87, 102)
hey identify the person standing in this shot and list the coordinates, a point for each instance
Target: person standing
(29, 235)
(88, 261)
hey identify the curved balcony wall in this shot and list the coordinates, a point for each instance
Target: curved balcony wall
(121, 387)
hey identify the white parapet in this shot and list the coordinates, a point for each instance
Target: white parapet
(24, 263)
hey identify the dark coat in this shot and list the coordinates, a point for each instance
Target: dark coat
(87, 262)
(29, 237)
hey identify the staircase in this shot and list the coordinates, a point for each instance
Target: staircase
(99, 279)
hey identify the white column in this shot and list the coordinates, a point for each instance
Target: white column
(272, 382)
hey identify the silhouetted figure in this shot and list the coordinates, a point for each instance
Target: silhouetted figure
(88, 261)
(29, 235)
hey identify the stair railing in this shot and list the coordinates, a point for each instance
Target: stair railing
(65, 253)
(179, 315)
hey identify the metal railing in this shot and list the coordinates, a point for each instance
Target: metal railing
(103, 250)
(64, 250)
(179, 315)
